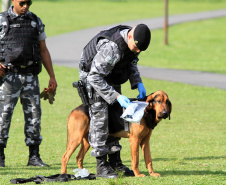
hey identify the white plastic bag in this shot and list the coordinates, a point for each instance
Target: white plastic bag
(81, 172)
(134, 112)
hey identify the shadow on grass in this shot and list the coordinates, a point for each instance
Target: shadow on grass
(186, 173)
(88, 165)
(57, 166)
(195, 172)
(23, 170)
(189, 158)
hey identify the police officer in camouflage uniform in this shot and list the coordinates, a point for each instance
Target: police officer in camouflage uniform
(22, 52)
(108, 61)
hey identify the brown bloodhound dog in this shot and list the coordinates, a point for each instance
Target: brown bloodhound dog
(139, 134)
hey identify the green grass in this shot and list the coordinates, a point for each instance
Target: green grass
(188, 149)
(66, 16)
(198, 45)
(194, 46)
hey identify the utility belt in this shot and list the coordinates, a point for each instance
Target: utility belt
(35, 70)
(87, 93)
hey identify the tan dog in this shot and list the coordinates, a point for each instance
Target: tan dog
(139, 134)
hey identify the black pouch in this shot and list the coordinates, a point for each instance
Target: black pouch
(115, 123)
(15, 56)
(36, 53)
(37, 68)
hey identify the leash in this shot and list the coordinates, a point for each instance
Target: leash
(138, 99)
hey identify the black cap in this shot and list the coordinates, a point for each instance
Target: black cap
(142, 36)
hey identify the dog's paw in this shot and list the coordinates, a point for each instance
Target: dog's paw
(155, 174)
(140, 175)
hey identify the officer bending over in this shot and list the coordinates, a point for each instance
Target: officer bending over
(23, 49)
(107, 61)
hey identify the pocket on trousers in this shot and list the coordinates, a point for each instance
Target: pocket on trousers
(2, 97)
(99, 109)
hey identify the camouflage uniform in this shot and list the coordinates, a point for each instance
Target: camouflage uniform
(25, 86)
(108, 55)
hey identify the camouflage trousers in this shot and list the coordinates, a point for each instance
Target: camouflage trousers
(99, 138)
(25, 87)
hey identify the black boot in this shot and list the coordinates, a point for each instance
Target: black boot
(34, 157)
(116, 163)
(104, 169)
(2, 157)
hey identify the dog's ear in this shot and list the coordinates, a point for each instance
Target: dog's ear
(149, 107)
(150, 99)
(170, 108)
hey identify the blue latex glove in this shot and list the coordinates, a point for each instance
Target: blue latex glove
(142, 91)
(123, 101)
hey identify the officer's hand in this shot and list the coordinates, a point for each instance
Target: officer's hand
(142, 91)
(123, 101)
(52, 84)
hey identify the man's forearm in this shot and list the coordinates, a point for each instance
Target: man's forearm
(47, 62)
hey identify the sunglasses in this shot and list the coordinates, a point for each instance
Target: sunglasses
(22, 3)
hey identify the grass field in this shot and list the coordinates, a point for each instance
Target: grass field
(61, 16)
(189, 148)
(194, 46)
(66, 16)
(198, 45)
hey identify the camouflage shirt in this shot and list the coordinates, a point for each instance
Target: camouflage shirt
(3, 24)
(108, 55)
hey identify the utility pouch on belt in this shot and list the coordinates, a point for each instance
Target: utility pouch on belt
(36, 53)
(82, 91)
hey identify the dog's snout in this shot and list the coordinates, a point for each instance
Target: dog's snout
(165, 114)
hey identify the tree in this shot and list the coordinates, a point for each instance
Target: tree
(5, 5)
